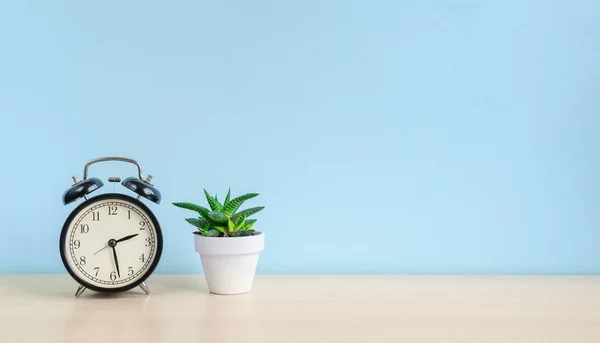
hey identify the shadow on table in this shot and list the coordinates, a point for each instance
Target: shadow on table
(177, 283)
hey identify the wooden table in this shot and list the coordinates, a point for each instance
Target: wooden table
(287, 309)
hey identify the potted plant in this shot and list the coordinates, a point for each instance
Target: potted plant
(226, 241)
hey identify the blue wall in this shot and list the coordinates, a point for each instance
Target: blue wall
(383, 136)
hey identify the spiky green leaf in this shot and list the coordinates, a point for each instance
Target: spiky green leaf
(199, 223)
(212, 233)
(227, 197)
(217, 217)
(193, 207)
(230, 225)
(233, 205)
(221, 229)
(243, 233)
(190, 206)
(246, 213)
(239, 222)
(214, 204)
(249, 225)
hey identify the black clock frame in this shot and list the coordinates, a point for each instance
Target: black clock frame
(63, 243)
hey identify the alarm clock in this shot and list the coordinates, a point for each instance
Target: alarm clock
(111, 242)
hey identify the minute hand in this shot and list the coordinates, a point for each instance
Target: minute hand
(116, 261)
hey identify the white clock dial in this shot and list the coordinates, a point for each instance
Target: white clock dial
(111, 242)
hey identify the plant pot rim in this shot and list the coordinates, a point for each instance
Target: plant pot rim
(257, 233)
(230, 245)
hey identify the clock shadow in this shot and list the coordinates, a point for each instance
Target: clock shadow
(61, 286)
(118, 295)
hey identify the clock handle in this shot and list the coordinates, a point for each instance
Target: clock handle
(121, 159)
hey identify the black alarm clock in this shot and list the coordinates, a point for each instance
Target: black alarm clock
(111, 242)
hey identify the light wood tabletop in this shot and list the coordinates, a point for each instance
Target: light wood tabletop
(42, 308)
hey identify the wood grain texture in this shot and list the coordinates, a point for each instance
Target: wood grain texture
(42, 308)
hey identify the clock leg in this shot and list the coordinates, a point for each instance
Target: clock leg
(145, 288)
(79, 291)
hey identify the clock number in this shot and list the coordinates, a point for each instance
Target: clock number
(112, 210)
(77, 244)
(85, 228)
(142, 258)
(97, 269)
(113, 276)
(128, 214)
(82, 260)
(130, 271)
(96, 216)
(143, 225)
(147, 241)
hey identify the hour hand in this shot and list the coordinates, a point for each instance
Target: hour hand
(126, 238)
(116, 241)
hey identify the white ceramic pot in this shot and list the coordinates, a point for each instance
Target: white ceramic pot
(229, 263)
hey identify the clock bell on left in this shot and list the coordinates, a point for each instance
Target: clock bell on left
(111, 242)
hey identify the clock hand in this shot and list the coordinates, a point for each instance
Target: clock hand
(101, 250)
(117, 241)
(116, 261)
(126, 238)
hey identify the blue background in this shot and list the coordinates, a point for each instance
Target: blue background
(383, 136)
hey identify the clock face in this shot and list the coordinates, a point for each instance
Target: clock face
(111, 242)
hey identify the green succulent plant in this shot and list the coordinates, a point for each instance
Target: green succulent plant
(222, 219)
